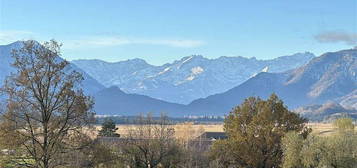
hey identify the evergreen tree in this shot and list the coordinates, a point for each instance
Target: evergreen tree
(108, 129)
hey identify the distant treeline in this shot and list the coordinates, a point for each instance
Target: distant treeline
(171, 120)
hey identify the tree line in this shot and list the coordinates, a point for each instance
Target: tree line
(47, 122)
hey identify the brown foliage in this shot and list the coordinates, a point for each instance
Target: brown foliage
(45, 109)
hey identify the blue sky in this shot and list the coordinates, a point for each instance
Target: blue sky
(162, 31)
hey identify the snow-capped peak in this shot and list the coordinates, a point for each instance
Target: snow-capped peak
(195, 73)
(183, 62)
(196, 70)
(165, 70)
(266, 69)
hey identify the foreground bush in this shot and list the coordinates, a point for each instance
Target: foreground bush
(335, 151)
(255, 129)
(338, 150)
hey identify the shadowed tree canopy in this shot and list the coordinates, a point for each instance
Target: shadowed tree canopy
(255, 129)
(46, 110)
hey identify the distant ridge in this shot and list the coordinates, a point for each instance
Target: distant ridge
(329, 80)
(329, 77)
(187, 79)
(90, 85)
(327, 111)
(113, 101)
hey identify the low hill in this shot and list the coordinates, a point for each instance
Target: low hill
(113, 101)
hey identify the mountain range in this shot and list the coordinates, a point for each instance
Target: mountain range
(186, 79)
(314, 86)
(330, 77)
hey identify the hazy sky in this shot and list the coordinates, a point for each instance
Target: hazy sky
(162, 31)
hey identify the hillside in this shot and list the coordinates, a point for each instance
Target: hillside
(90, 85)
(113, 101)
(326, 78)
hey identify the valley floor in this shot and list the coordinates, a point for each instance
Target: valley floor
(189, 129)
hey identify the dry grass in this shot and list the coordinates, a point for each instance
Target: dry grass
(323, 129)
(180, 129)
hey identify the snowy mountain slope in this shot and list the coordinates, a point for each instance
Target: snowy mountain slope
(329, 80)
(330, 77)
(187, 79)
(349, 100)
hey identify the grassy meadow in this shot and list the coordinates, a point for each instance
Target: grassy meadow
(323, 129)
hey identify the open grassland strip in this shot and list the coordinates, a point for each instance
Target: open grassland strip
(323, 129)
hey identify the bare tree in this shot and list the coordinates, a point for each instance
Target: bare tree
(194, 148)
(150, 144)
(46, 110)
(185, 133)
